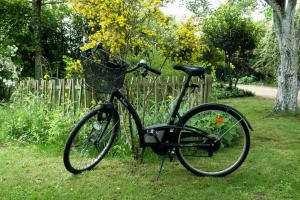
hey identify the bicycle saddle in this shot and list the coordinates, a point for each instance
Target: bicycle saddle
(190, 70)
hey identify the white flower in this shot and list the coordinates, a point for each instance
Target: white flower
(9, 83)
(11, 50)
(8, 72)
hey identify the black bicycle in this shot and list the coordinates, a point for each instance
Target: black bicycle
(209, 140)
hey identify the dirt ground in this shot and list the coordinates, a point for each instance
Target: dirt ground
(262, 91)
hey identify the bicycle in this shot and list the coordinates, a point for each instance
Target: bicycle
(208, 140)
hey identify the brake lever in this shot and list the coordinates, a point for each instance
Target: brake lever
(145, 73)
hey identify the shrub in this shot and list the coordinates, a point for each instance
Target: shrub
(247, 79)
(220, 91)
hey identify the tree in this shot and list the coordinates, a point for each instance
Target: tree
(236, 35)
(37, 34)
(61, 34)
(201, 8)
(288, 83)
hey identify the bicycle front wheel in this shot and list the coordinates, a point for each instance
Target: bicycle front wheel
(217, 125)
(91, 139)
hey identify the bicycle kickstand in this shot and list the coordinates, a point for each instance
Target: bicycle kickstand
(161, 166)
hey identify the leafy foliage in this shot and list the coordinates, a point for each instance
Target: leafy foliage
(9, 72)
(214, 122)
(228, 30)
(60, 32)
(248, 79)
(15, 31)
(201, 8)
(220, 91)
(73, 68)
(267, 57)
(267, 54)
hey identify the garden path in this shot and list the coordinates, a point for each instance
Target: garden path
(262, 91)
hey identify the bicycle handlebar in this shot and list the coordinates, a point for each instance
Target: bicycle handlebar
(142, 63)
(145, 66)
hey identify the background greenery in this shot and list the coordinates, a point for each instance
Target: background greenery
(248, 47)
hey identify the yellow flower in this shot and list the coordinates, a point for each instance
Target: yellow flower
(47, 76)
(170, 98)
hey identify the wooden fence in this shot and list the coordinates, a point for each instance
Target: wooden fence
(71, 95)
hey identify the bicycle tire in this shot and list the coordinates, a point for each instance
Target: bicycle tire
(94, 133)
(219, 113)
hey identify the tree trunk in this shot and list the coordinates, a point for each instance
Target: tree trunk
(37, 36)
(228, 72)
(286, 98)
(236, 82)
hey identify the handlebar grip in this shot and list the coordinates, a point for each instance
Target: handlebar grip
(155, 71)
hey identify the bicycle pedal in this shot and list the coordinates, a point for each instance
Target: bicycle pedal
(171, 155)
(97, 126)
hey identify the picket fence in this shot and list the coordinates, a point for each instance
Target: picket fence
(73, 94)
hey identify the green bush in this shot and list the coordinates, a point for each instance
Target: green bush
(220, 91)
(247, 79)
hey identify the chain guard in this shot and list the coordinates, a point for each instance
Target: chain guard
(159, 150)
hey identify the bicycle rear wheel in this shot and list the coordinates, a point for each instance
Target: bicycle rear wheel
(219, 126)
(91, 139)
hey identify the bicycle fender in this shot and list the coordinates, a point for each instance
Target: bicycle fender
(223, 107)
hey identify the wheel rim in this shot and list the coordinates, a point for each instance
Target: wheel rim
(92, 141)
(232, 138)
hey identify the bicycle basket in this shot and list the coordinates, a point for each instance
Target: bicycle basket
(103, 72)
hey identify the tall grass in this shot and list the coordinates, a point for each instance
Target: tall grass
(29, 120)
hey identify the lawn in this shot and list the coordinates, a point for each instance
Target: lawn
(271, 171)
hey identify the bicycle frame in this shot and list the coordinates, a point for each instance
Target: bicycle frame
(141, 130)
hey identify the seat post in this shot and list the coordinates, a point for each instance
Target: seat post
(179, 100)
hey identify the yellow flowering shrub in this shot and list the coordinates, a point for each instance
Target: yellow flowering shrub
(121, 25)
(73, 68)
(183, 43)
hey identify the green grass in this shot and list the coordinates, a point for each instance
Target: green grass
(271, 171)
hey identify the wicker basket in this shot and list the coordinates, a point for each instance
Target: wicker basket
(104, 72)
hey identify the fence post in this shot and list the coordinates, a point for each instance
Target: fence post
(207, 84)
